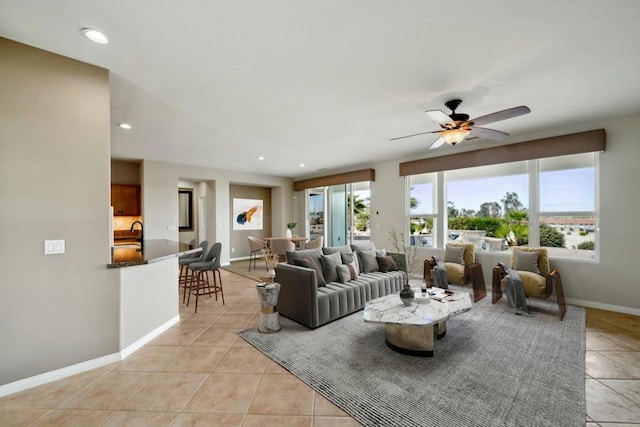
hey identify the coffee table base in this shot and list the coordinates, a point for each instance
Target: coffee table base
(414, 340)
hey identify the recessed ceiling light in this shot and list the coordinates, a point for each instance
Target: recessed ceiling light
(260, 157)
(301, 165)
(124, 126)
(95, 35)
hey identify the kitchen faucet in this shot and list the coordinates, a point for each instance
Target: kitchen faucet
(141, 239)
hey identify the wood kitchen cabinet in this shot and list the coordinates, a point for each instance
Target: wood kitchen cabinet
(125, 200)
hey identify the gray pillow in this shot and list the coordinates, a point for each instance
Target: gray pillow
(368, 261)
(454, 254)
(352, 261)
(329, 266)
(526, 261)
(313, 265)
(344, 249)
(292, 256)
(344, 275)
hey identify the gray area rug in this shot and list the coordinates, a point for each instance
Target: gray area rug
(493, 368)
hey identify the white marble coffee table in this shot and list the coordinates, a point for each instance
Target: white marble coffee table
(411, 329)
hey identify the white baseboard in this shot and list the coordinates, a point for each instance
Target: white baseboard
(603, 306)
(126, 352)
(58, 374)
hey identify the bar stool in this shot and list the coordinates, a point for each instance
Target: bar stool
(184, 279)
(200, 284)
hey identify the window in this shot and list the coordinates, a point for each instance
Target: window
(340, 213)
(488, 205)
(544, 202)
(567, 213)
(423, 210)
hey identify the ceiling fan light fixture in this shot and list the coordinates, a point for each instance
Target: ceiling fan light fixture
(454, 136)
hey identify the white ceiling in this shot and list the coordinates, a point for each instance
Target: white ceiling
(328, 83)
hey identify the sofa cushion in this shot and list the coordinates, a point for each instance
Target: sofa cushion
(455, 273)
(292, 256)
(368, 261)
(313, 264)
(534, 284)
(329, 266)
(525, 261)
(386, 264)
(454, 254)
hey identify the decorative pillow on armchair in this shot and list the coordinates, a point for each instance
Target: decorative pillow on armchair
(454, 254)
(525, 261)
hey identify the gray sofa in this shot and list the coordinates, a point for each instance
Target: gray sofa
(306, 301)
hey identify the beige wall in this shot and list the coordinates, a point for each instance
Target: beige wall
(239, 242)
(160, 200)
(55, 310)
(612, 283)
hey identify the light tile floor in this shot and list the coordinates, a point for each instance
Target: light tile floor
(200, 373)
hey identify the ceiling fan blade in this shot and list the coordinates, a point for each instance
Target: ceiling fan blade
(487, 133)
(501, 115)
(415, 134)
(437, 144)
(440, 117)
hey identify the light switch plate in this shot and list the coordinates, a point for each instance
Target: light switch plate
(52, 247)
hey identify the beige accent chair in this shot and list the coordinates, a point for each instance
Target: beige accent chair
(468, 272)
(282, 245)
(538, 284)
(315, 243)
(255, 246)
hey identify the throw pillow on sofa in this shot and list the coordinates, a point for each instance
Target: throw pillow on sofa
(368, 262)
(306, 253)
(329, 266)
(314, 265)
(386, 264)
(344, 275)
(352, 261)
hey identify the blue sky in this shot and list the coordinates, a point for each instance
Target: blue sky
(562, 190)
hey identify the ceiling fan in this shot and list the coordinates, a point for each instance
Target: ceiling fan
(457, 126)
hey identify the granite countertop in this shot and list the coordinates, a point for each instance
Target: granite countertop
(153, 250)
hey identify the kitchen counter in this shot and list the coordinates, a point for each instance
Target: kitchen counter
(153, 250)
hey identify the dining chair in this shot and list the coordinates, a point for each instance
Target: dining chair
(315, 243)
(282, 245)
(255, 246)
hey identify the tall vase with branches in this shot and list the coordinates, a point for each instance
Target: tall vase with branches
(399, 244)
(271, 259)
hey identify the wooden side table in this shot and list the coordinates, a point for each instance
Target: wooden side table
(269, 321)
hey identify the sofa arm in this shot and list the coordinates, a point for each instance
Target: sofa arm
(298, 298)
(401, 260)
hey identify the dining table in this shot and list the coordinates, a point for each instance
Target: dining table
(297, 240)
